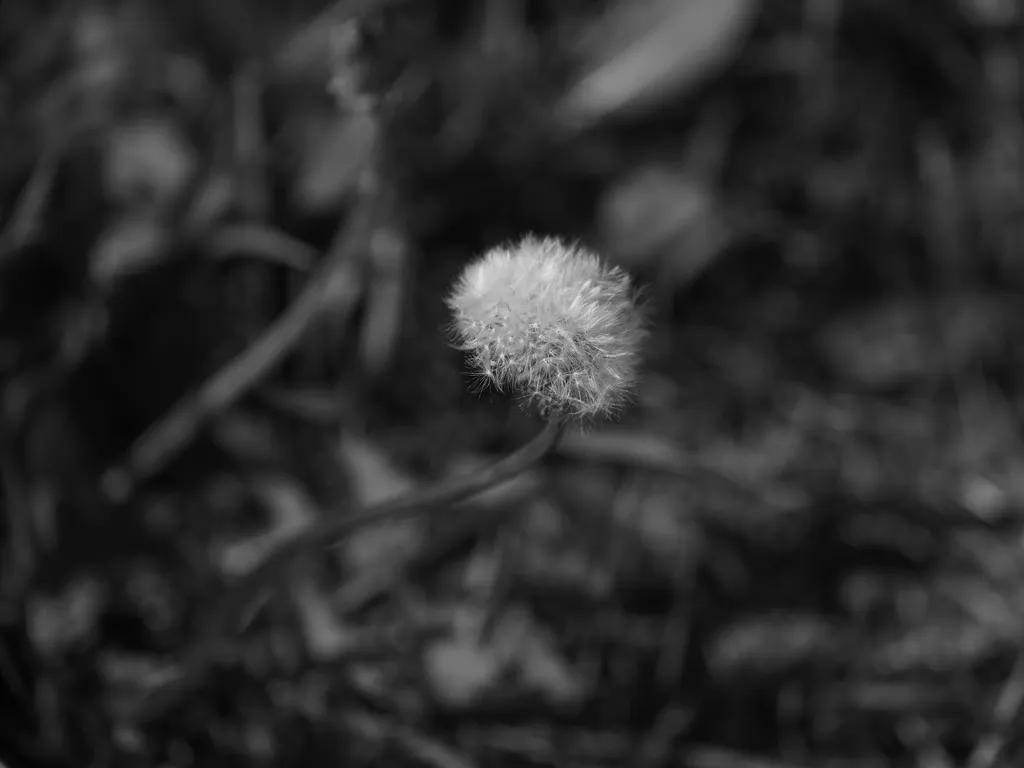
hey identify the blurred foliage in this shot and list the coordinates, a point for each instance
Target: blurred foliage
(226, 230)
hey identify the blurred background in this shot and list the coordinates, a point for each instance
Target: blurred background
(226, 234)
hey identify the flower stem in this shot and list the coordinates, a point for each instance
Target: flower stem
(243, 596)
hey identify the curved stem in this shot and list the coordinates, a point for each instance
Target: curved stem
(330, 533)
(242, 595)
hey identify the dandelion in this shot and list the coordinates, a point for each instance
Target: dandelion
(545, 319)
(552, 323)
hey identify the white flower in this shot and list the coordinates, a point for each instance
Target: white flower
(551, 322)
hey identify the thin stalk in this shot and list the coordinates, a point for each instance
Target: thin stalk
(243, 595)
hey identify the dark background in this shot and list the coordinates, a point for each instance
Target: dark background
(800, 546)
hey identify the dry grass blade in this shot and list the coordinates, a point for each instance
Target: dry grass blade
(262, 242)
(336, 280)
(670, 46)
(28, 213)
(424, 749)
(715, 757)
(987, 752)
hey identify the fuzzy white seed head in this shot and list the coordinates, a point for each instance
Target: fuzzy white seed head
(551, 322)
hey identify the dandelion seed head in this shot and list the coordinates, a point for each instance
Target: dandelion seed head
(551, 322)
